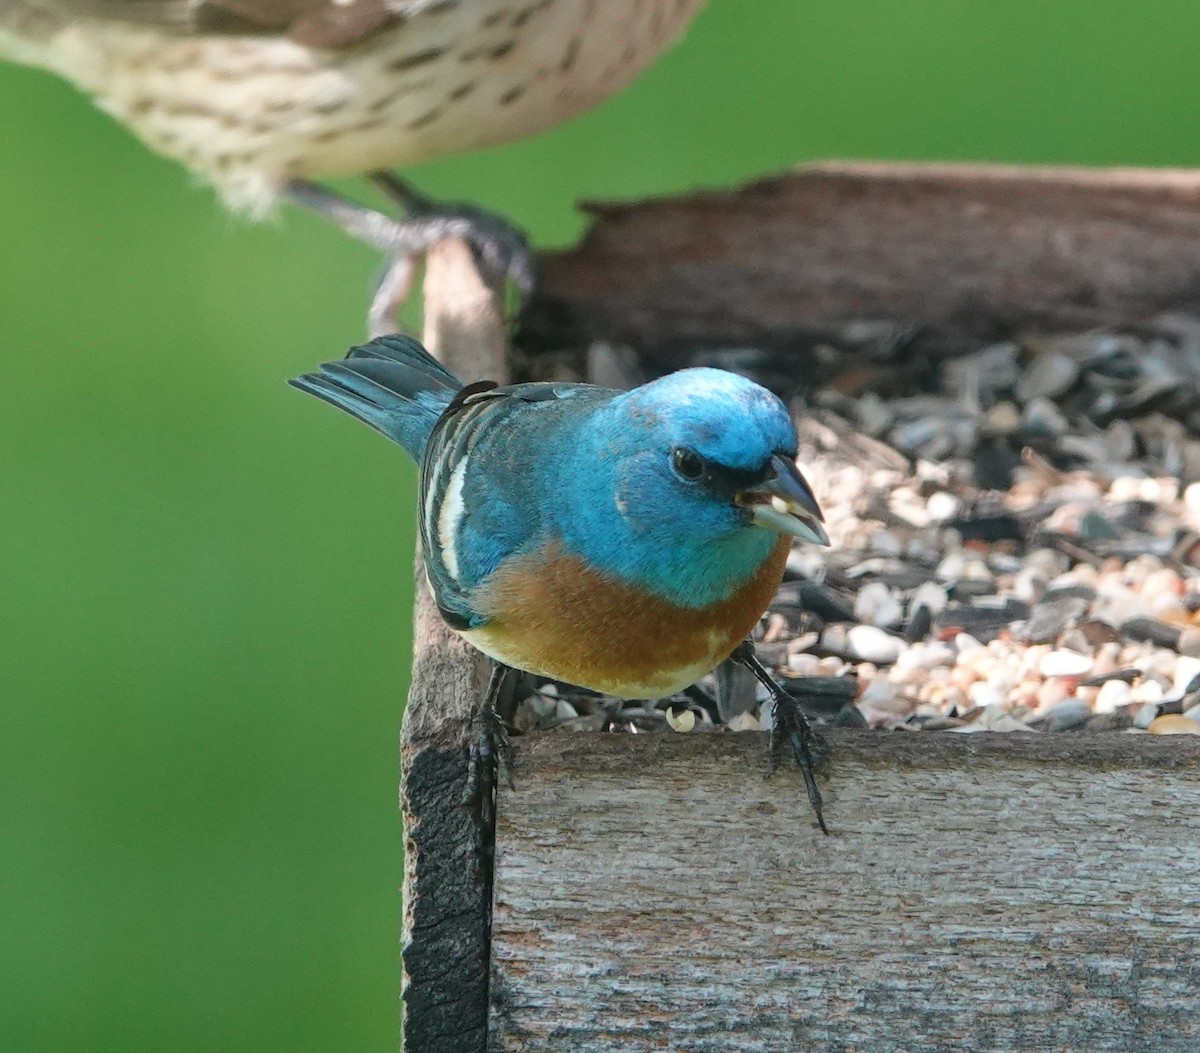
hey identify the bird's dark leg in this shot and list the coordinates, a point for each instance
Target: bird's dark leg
(500, 247)
(790, 728)
(491, 754)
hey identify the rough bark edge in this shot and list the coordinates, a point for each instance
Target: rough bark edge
(447, 860)
(938, 258)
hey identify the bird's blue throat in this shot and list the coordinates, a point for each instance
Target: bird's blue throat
(629, 517)
(677, 567)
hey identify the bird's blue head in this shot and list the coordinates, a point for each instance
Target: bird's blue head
(695, 466)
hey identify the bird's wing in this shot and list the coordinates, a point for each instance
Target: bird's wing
(317, 23)
(482, 484)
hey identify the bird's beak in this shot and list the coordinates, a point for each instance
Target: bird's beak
(785, 502)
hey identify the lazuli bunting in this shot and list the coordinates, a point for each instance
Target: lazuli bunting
(626, 542)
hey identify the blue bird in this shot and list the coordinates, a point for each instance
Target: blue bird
(626, 542)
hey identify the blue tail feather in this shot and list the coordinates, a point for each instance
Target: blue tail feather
(392, 384)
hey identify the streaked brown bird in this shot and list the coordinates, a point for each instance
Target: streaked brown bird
(260, 97)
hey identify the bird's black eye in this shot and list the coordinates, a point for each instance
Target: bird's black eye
(687, 463)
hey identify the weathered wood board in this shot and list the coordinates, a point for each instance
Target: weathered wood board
(991, 893)
(948, 256)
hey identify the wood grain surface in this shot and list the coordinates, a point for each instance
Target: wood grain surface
(979, 892)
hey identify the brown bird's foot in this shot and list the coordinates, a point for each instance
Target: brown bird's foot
(500, 248)
(491, 757)
(790, 730)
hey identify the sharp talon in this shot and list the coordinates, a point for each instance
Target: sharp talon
(804, 758)
(490, 756)
(790, 729)
(498, 246)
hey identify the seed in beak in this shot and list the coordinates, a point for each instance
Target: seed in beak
(779, 504)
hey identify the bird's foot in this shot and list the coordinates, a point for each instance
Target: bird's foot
(790, 730)
(500, 248)
(490, 758)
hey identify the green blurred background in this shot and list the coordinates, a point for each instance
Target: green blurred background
(204, 576)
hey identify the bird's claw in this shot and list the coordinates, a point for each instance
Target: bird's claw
(490, 759)
(791, 729)
(500, 248)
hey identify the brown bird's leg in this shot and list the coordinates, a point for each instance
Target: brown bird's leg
(790, 728)
(500, 247)
(491, 754)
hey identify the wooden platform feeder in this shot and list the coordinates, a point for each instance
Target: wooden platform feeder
(979, 893)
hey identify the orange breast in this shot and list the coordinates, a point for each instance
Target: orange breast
(551, 614)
